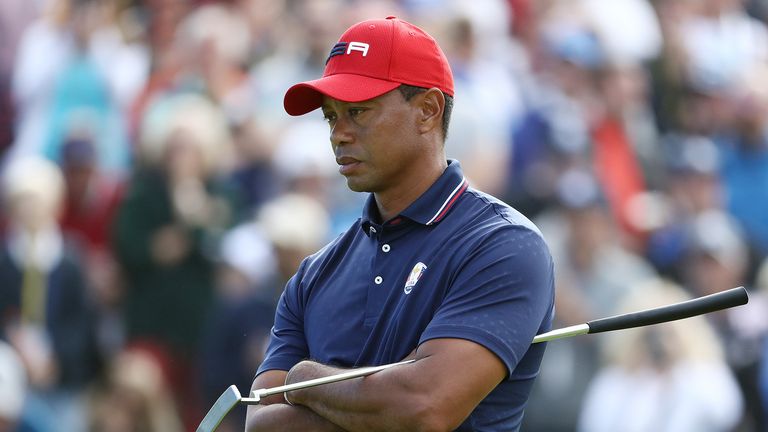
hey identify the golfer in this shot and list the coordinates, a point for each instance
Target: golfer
(433, 270)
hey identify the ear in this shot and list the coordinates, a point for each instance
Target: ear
(431, 106)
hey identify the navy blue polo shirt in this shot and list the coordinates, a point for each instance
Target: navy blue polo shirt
(457, 263)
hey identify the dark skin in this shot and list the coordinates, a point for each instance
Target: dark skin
(388, 146)
(394, 149)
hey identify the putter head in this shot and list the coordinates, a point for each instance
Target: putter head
(219, 410)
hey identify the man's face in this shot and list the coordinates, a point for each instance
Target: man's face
(375, 141)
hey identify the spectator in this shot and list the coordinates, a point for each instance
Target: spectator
(745, 159)
(15, 16)
(167, 231)
(47, 314)
(207, 55)
(254, 175)
(288, 228)
(662, 379)
(482, 123)
(690, 186)
(718, 259)
(76, 72)
(135, 397)
(302, 164)
(594, 273)
(16, 413)
(91, 200)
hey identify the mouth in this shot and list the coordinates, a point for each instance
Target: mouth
(347, 164)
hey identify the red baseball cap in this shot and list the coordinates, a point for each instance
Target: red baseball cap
(371, 58)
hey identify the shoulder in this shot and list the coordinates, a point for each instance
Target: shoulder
(503, 210)
(484, 215)
(488, 234)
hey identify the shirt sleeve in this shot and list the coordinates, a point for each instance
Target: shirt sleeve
(501, 297)
(287, 341)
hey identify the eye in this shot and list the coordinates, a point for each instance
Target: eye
(354, 112)
(329, 117)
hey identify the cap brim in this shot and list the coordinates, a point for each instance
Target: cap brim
(308, 96)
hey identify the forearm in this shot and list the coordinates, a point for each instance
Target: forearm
(385, 401)
(286, 418)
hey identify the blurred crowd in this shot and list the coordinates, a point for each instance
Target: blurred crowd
(156, 197)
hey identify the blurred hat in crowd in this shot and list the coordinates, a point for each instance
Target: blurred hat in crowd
(371, 58)
(194, 115)
(628, 29)
(220, 28)
(715, 234)
(578, 189)
(578, 46)
(708, 80)
(247, 249)
(303, 151)
(691, 154)
(295, 222)
(13, 383)
(36, 183)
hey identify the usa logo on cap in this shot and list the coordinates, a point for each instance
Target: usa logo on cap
(347, 48)
(371, 58)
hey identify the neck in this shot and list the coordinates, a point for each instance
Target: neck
(391, 202)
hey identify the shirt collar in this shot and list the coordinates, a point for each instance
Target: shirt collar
(432, 206)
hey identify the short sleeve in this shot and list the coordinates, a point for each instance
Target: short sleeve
(502, 296)
(287, 342)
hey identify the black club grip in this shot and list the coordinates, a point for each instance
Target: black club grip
(698, 306)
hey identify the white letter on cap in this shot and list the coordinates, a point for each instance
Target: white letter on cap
(358, 46)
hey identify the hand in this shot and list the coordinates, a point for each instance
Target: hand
(169, 245)
(302, 371)
(35, 351)
(273, 414)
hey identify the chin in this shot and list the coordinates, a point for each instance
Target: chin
(355, 186)
(359, 185)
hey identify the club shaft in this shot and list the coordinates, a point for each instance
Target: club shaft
(686, 309)
(354, 373)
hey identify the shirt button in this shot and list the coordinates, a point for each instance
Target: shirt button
(372, 230)
(378, 280)
(385, 248)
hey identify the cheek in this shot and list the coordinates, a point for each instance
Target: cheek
(395, 137)
(390, 150)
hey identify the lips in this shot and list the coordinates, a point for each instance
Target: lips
(347, 164)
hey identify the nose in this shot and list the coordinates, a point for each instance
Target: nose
(341, 132)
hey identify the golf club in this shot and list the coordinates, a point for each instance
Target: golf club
(232, 397)
(698, 306)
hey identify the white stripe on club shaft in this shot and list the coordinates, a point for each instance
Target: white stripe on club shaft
(574, 330)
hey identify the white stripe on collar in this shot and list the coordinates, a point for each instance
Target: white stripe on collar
(447, 200)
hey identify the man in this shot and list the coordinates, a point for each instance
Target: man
(433, 271)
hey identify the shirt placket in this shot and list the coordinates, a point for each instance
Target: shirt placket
(381, 281)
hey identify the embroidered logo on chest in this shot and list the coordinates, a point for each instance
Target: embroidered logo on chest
(414, 277)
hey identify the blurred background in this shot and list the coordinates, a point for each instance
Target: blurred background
(156, 197)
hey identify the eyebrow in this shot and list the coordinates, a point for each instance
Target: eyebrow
(367, 103)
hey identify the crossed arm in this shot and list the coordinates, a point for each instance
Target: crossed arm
(435, 393)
